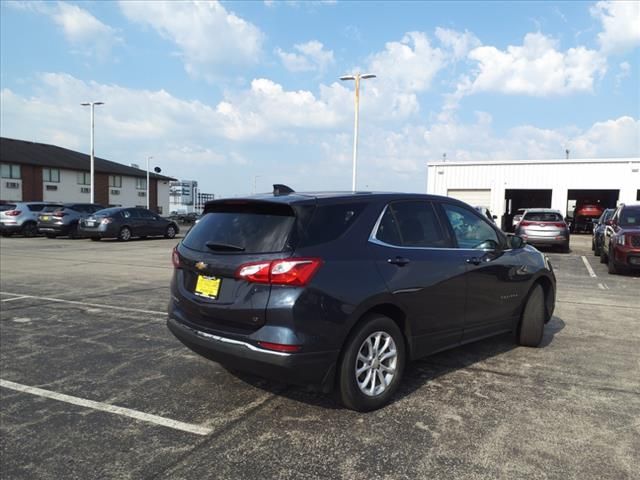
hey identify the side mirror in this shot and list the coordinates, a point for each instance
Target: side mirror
(516, 242)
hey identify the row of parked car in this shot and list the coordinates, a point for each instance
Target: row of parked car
(616, 238)
(83, 220)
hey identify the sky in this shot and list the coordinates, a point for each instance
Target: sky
(242, 95)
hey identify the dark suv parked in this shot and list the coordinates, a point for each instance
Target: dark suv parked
(342, 289)
(63, 220)
(621, 241)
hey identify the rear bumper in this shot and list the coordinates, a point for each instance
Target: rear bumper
(51, 228)
(315, 369)
(536, 240)
(102, 231)
(10, 228)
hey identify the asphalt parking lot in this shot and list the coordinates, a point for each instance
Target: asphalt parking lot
(94, 386)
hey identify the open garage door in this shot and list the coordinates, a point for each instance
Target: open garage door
(516, 199)
(474, 197)
(585, 206)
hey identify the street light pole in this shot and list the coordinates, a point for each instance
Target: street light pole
(357, 77)
(255, 183)
(148, 158)
(92, 168)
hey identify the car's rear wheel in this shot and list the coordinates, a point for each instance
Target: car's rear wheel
(95, 239)
(50, 235)
(596, 249)
(532, 321)
(564, 248)
(29, 229)
(73, 231)
(371, 365)
(125, 234)
(171, 232)
(611, 263)
(7, 234)
(604, 258)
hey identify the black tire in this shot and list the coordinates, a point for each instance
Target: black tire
(125, 234)
(611, 264)
(532, 322)
(29, 229)
(50, 235)
(593, 245)
(96, 239)
(603, 256)
(596, 250)
(73, 231)
(350, 393)
(7, 235)
(171, 232)
(565, 248)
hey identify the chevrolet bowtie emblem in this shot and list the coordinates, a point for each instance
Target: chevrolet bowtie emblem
(201, 265)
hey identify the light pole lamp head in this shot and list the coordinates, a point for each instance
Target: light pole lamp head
(368, 75)
(347, 77)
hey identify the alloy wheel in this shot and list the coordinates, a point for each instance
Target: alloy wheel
(376, 363)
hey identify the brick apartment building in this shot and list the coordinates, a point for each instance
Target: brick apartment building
(32, 171)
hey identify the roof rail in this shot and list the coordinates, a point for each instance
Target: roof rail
(280, 189)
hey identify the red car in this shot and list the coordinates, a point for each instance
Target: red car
(621, 242)
(585, 214)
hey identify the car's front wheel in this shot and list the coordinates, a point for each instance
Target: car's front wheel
(532, 321)
(611, 263)
(372, 363)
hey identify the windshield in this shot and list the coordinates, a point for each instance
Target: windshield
(630, 217)
(543, 217)
(246, 228)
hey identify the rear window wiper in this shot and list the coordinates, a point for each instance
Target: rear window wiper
(224, 246)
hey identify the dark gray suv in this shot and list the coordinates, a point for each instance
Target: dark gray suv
(343, 289)
(64, 219)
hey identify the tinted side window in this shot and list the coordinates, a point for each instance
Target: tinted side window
(470, 230)
(411, 224)
(329, 222)
(145, 214)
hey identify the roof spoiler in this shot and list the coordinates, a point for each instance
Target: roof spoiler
(280, 189)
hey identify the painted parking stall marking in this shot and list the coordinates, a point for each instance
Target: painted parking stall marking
(589, 268)
(84, 304)
(105, 407)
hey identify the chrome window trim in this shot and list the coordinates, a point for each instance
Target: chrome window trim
(375, 241)
(220, 339)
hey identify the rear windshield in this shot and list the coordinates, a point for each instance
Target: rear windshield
(52, 208)
(7, 206)
(243, 227)
(543, 217)
(105, 212)
(630, 216)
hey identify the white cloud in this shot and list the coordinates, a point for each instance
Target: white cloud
(86, 33)
(409, 64)
(536, 68)
(208, 36)
(311, 57)
(458, 43)
(620, 23)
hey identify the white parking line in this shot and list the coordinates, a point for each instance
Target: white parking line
(603, 286)
(105, 407)
(84, 304)
(588, 265)
(12, 299)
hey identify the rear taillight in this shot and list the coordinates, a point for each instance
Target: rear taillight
(291, 271)
(106, 220)
(560, 225)
(13, 213)
(280, 347)
(59, 214)
(175, 258)
(524, 223)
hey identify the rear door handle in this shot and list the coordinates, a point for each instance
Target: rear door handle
(474, 260)
(400, 261)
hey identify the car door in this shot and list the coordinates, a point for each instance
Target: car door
(424, 274)
(610, 231)
(496, 277)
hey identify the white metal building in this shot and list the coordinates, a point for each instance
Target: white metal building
(505, 186)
